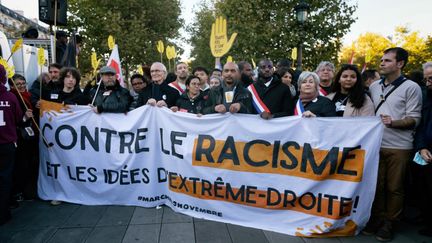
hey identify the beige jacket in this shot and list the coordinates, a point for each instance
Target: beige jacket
(368, 108)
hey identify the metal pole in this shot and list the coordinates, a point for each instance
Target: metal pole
(300, 52)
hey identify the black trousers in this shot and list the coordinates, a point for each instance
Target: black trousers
(422, 183)
(7, 158)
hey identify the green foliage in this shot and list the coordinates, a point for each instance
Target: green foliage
(136, 26)
(420, 50)
(269, 29)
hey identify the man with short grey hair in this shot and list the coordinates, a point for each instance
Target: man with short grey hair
(158, 93)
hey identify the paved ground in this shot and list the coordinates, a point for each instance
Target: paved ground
(40, 222)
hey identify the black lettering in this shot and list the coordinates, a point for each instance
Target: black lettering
(232, 155)
(47, 125)
(72, 133)
(175, 141)
(91, 171)
(302, 203)
(162, 146)
(200, 150)
(140, 136)
(293, 159)
(308, 155)
(276, 199)
(85, 136)
(347, 155)
(247, 148)
(126, 144)
(109, 134)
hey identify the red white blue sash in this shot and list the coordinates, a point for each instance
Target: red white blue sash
(322, 92)
(299, 109)
(176, 86)
(257, 101)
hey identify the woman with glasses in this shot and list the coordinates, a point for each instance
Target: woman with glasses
(192, 100)
(349, 95)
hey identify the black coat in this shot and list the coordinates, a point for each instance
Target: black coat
(114, 99)
(277, 97)
(216, 97)
(322, 107)
(184, 103)
(423, 135)
(75, 97)
(158, 92)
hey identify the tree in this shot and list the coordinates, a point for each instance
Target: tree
(375, 44)
(368, 43)
(136, 26)
(269, 29)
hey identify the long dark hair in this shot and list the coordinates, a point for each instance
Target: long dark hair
(356, 93)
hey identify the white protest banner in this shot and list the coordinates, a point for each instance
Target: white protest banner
(306, 177)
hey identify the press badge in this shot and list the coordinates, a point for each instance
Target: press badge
(339, 106)
(54, 96)
(229, 95)
(106, 93)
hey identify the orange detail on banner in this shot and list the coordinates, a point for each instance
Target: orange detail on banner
(286, 159)
(318, 205)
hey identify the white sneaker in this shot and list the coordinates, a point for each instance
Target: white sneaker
(55, 202)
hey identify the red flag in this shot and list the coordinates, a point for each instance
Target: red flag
(114, 62)
(352, 57)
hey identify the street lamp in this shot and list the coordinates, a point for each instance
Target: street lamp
(301, 14)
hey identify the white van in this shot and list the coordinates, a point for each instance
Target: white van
(25, 59)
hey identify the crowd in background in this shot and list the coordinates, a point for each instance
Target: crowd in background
(403, 103)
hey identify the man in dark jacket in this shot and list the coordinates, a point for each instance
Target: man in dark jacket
(271, 98)
(231, 95)
(158, 92)
(111, 97)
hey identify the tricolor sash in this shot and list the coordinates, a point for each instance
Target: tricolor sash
(299, 109)
(176, 86)
(322, 92)
(257, 101)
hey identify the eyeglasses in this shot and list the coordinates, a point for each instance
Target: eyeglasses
(428, 79)
(155, 71)
(20, 84)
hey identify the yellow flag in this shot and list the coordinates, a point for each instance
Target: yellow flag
(140, 70)
(94, 61)
(229, 59)
(294, 53)
(160, 47)
(18, 45)
(171, 52)
(253, 63)
(10, 70)
(168, 52)
(111, 42)
(41, 56)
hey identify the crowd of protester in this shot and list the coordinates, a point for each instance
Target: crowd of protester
(272, 92)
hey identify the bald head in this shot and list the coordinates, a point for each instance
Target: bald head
(230, 73)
